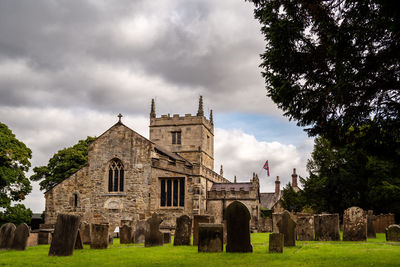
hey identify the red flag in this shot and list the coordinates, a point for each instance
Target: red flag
(266, 167)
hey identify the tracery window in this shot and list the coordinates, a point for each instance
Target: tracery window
(116, 176)
(172, 192)
(176, 138)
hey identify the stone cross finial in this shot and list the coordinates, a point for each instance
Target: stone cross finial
(119, 117)
(200, 111)
(153, 109)
(211, 117)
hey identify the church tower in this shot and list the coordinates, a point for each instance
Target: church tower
(192, 137)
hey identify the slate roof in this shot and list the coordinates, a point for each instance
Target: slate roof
(232, 186)
(268, 200)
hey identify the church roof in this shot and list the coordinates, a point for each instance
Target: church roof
(268, 200)
(232, 186)
(172, 155)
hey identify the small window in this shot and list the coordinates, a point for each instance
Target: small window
(116, 176)
(75, 200)
(176, 138)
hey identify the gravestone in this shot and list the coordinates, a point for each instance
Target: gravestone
(305, 227)
(33, 239)
(326, 227)
(238, 228)
(110, 239)
(370, 224)
(45, 236)
(276, 243)
(287, 227)
(196, 220)
(140, 232)
(354, 224)
(276, 217)
(7, 232)
(99, 236)
(78, 242)
(21, 235)
(153, 235)
(183, 231)
(125, 234)
(393, 233)
(64, 237)
(167, 237)
(85, 233)
(211, 237)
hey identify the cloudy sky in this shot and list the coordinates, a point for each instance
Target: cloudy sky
(67, 68)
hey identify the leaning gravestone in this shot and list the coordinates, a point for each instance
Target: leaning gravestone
(183, 231)
(64, 237)
(393, 233)
(140, 232)
(196, 220)
(99, 236)
(153, 235)
(238, 228)
(211, 237)
(78, 242)
(85, 233)
(326, 227)
(21, 235)
(7, 235)
(305, 227)
(354, 224)
(276, 243)
(370, 224)
(125, 234)
(287, 227)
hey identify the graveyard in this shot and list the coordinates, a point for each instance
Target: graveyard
(373, 252)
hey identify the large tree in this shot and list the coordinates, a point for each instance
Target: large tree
(332, 65)
(14, 162)
(16, 214)
(63, 163)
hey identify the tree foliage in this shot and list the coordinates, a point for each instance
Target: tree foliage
(17, 214)
(333, 65)
(292, 200)
(63, 164)
(348, 176)
(14, 162)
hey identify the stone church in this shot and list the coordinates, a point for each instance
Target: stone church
(128, 177)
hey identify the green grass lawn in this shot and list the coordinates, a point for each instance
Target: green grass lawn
(375, 252)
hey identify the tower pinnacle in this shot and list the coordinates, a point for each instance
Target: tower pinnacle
(200, 111)
(153, 109)
(211, 117)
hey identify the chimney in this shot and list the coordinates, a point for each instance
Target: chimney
(294, 178)
(277, 186)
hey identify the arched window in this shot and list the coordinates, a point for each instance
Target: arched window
(116, 176)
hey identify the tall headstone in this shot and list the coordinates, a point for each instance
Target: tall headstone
(370, 224)
(287, 227)
(305, 227)
(393, 233)
(354, 224)
(196, 220)
(99, 236)
(153, 235)
(140, 232)
(183, 231)
(7, 235)
(326, 227)
(238, 228)
(382, 221)
(125, 234)
(64, 237)
(211, 237)
(276, 243)
(78, 242)
(21, 235)
(85, 233)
